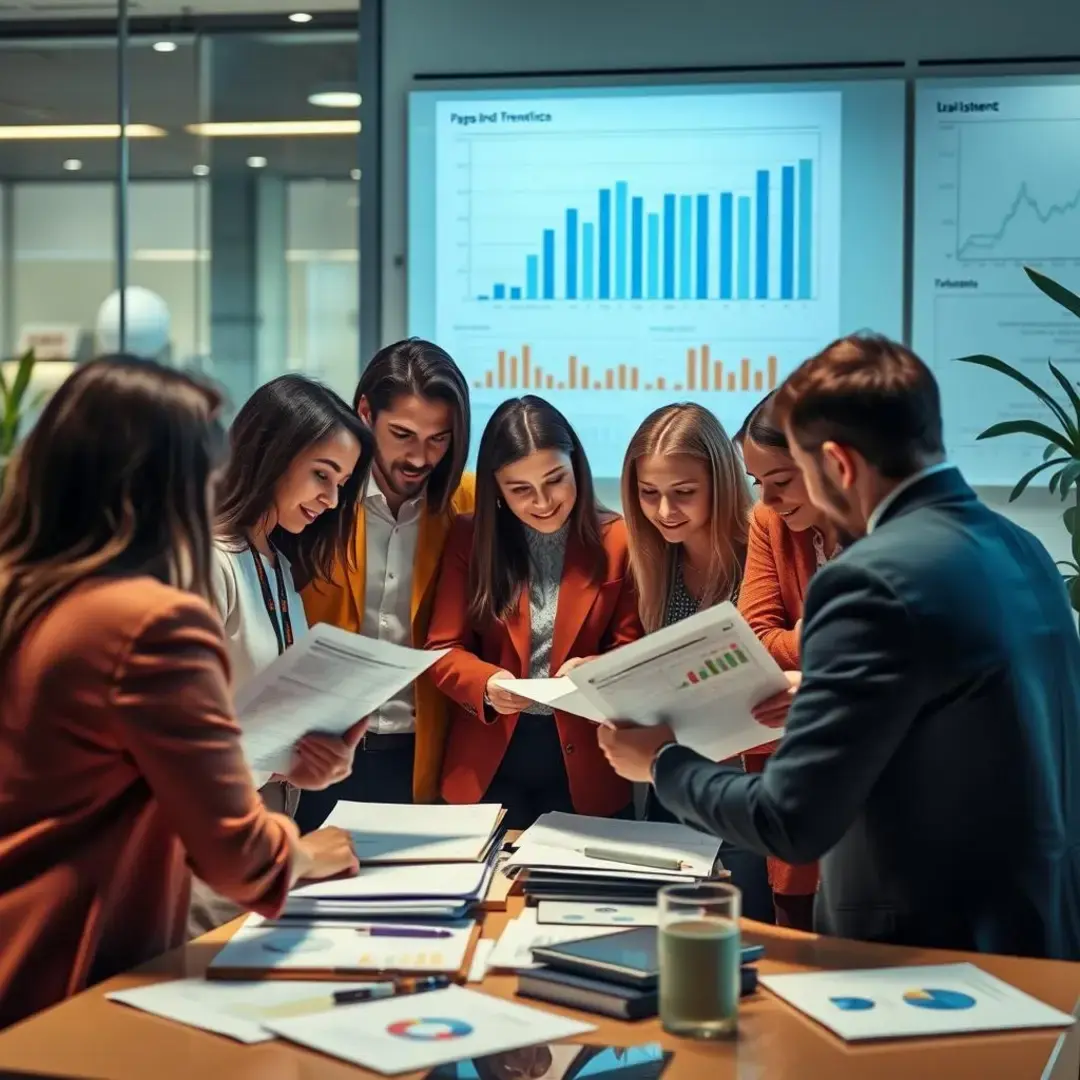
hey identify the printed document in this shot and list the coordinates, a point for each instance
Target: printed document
(559, 693)
(513, 951)
(327, 681)
(702, 676)
(407, 1033)
(891, 1003)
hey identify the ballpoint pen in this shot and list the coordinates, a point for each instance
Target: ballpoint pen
(632, 858)
(403, 931)
(353, 996)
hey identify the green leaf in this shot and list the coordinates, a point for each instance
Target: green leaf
(994, 364)
(1074, 592)
(1069, 517)
(22, 376)
(1058, 293)
(1070, 390)
(1049, 452)
(1070, 565)
(1069, 476)
(1036, 428)
(1032, 473)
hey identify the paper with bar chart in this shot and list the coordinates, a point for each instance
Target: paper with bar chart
(997, 188)
(617, 253)
(702, 676)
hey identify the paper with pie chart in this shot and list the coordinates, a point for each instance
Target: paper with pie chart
(890, 1003)
(419, 1031)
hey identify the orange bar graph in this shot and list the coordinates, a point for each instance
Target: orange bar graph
(609, 379)
(705, 367)
(745, 374)
(513, 372)
(488, 380)
(538, 378)
(633, 378)
(584, 376)
(661, 383)
(691, 369)
(731, 381)
(772, 372)
(622, 376)
(549, 382)
(502, 369)
(524, 365)
(718, 375)
(757, 380)
(573, 372)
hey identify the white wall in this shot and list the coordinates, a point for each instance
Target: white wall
(512, 37)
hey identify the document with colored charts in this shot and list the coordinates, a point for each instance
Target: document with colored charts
(904, 1002)
(702, 676)
(419, 1031)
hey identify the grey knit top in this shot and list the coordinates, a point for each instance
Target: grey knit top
(547, 552)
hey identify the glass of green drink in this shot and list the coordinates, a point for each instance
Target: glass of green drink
(700, 957)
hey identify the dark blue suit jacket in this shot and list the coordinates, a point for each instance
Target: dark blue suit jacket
(931, 758)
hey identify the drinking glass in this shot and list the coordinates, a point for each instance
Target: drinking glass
(700, 958)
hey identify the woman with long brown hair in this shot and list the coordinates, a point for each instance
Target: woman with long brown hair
(286, 509)
(120, 758)
(534, 582)
(687, 508)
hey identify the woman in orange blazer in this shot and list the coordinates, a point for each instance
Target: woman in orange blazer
(789, 539)
(532, 584)
(120, 759)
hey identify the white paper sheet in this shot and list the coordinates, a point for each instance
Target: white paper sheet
(702, 676)
(234, 1009)
(326, 682)
(452, 881)
(558, 840)
(889, 1003)
(416, 832)
(520, 936)
(402, 1034)
(611, 916)
(262, 946)
(559, 693)
(478, 969)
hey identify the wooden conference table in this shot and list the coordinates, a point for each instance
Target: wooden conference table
(88, 1036)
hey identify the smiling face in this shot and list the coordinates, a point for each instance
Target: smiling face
(540, 489)
(412, 435)
(675, 494)
(310, 486)
(781, 485)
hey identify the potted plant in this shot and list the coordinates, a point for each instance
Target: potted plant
(14, 405)
(1060, 429)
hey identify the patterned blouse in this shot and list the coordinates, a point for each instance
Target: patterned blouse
(681, 604)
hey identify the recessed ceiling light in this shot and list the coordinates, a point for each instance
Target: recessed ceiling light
(164, 46)
(257, 162)
(201, 170)
(335, 99)
(246, 129)
(354, 174)
(78, 131)
(300, 17)
(73, 164)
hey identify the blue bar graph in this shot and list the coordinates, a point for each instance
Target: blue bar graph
(549, 264)
(787, 232)
(587, 240)
(637, 229)
(653, 284)
(621, 189)
(686, 252)
(806, 225)
(726, 223)
(669, 247)
(761, 253)
(703, 247)
(604, 285)
(744, 247)
(727, 245)
(571, 254)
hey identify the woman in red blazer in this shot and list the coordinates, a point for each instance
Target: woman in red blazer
(532, 584)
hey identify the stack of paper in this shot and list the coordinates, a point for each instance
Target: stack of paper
(513, 950)
(574, 858)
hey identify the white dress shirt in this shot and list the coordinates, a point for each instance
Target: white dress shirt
(249, 634)
(391, 551)
(875, 518)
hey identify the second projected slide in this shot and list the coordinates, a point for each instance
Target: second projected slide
(997, 189)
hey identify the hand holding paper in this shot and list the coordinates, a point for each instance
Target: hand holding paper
(631, 750)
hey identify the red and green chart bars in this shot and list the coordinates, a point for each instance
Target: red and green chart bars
(718, 663)
(752, 244)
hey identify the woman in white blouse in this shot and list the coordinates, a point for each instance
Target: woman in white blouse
(286, 509)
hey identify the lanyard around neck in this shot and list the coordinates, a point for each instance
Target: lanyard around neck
(283, 630)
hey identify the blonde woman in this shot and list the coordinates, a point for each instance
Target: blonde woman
(687, 507)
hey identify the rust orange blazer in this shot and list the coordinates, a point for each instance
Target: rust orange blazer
(779, 565)
(596, 612)
(120, 762)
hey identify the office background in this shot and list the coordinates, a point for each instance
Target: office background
(300, 262)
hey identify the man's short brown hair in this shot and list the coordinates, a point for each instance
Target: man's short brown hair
(868, 393)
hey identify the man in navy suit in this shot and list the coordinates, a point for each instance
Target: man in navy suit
(931, 757)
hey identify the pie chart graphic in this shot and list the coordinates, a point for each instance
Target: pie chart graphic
(938, 999)
(429, 1029)
(852, 1004)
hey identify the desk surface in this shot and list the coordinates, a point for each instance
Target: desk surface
(89, 1037)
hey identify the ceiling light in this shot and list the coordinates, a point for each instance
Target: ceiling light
(73, 164)
(232, 129)
(164, 46)
(335, 99)
(257, 162)
(300, 17)
(201, 170)
(79, 131)
(354, 174)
